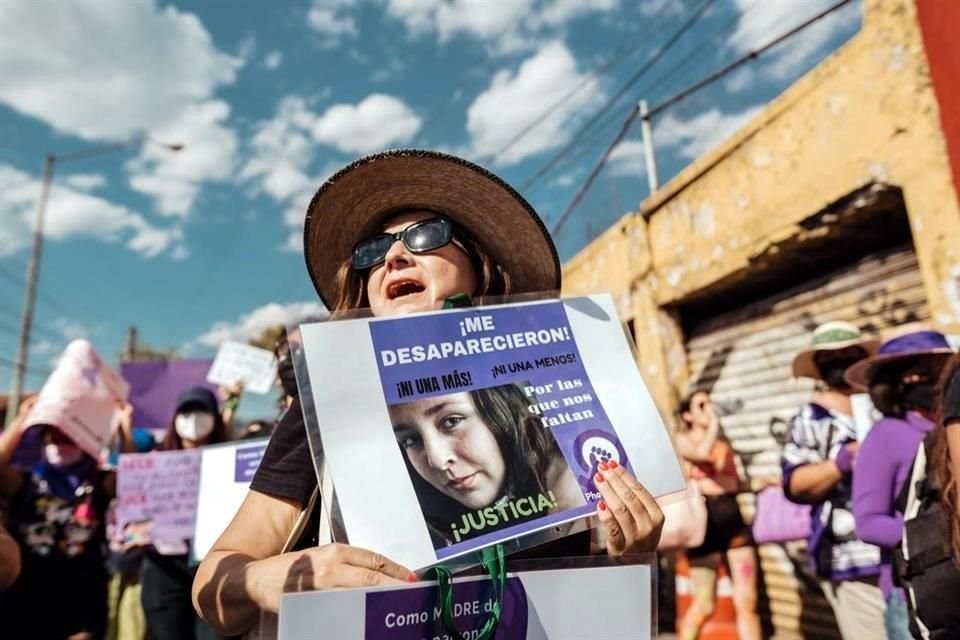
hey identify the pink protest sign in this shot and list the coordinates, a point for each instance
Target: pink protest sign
(80, 398)
(160, 489)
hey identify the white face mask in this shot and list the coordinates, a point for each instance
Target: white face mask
(194, 426)
(62, 455)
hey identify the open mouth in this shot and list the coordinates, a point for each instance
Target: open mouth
(402, 288)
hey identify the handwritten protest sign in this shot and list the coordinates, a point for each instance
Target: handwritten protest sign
(225, 476)
(80, 398)
(486, 424)
(186, 495)
(159, 488)
(238, 362)
(536, 605)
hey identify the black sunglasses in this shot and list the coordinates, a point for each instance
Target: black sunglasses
(420, 237)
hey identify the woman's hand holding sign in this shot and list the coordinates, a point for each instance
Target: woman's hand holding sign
(329, 566)
(630, 519)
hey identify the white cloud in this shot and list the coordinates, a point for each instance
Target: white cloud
(174, 179)
(375, 123)
(331, 19)
(661, 8)
(627, 159)
(506, 26)
(273, 60)
(788, 60)
(106, 70)
(279, 164)
(86, 181)
(252, 324)
(514, 100)
(247, 48)
(695, 136)
(71, 329)
(560, 12)
(70, 214)
(112, 70)
(565, 180)
(740, 79)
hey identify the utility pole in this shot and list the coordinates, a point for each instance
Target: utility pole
(33, 268)
(33, 273)
(130, 346)
(651, 160)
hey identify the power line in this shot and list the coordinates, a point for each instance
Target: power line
(620, 92)
(10, 364)
(626, 49)
(751, 55)
(10, 277)
(593, 173)
(610, 122)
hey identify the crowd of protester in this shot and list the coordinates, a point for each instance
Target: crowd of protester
(883, 538)
(67, 570)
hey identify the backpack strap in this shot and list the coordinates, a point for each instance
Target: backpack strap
(918, 564)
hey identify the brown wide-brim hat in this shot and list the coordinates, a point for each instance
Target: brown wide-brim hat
(355, 202)
(830, 336)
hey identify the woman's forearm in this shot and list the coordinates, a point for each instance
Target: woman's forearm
(811, 483)
(221, 593)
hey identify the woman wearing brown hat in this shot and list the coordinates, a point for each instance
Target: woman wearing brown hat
(398, 232)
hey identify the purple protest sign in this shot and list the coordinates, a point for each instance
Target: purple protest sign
(247, 461)
(161, 488)
(154, 387)
(414, 614)
(451, 431)
(499, 425)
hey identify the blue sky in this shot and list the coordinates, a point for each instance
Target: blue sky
(268, 98)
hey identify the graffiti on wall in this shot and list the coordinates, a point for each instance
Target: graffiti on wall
(877, 309)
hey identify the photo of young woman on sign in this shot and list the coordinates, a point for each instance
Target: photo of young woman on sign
(480, 461)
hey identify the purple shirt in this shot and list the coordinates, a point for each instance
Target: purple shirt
(883, 464)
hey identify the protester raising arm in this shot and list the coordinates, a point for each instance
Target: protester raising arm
(699, 449)
(12, 479)
(125, 429)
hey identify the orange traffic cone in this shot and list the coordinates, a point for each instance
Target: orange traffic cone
(722, 625)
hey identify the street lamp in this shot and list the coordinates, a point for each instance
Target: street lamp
(33, 268)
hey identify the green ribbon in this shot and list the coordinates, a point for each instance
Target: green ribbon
(457, 301)
(494, 562)
(492, 558)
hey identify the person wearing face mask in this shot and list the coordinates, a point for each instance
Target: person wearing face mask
(396, 233)
(901, 379)
(58, 510)
(167, 574)
(818, 463)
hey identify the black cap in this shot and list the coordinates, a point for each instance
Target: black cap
(198, 396)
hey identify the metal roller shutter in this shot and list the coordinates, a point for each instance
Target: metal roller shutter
(745, 356)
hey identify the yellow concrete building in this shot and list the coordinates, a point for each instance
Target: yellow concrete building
(836, 202)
